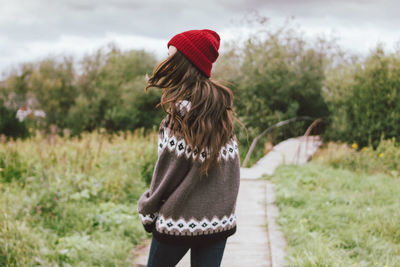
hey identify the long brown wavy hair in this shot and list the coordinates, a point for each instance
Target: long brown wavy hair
(208, 124)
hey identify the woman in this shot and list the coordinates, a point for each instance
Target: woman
(192, 197)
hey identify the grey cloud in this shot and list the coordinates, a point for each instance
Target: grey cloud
(23, 22)
(95, 18)
(158, 18)
(357, 10)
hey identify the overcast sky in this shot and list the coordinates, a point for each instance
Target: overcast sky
(34, 29)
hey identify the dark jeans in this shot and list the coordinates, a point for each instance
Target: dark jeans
(166, 255)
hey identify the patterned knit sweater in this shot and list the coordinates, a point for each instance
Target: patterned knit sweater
(180, 208)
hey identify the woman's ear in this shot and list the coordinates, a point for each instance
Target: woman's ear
(172, 50)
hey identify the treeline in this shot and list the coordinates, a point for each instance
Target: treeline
(106, 93)
(275, 75)
(279, 74)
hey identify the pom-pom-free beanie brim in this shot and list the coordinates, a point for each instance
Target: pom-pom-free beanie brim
(199, 46)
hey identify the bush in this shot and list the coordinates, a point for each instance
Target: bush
(275, 75)
(9, 124)
(364, 100)
(112, 93)
(384, 159)
(108, 93)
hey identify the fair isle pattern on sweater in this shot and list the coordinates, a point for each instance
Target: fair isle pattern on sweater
(148, 218)
(178, 145)
(193, 226)
(190, 227)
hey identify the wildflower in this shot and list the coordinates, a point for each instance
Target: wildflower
(39, 113)
(364, 148)
(22, 113)
(354, 145)
(380, 155)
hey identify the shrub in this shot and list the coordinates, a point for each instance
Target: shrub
(383, 159)
(275, 75)
(364, 99)
(9, 124)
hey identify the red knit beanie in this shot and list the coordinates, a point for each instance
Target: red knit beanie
(199, 46)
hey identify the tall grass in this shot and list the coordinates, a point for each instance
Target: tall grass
(342, 208)
(72, 202)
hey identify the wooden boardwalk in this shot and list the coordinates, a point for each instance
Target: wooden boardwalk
(258, 241)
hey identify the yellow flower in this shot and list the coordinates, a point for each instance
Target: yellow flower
(364, 148)
(354, 145)
(380, 155)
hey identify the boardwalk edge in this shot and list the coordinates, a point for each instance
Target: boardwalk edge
(275, 235)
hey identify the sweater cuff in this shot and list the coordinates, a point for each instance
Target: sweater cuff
(149, 227)
(148, 221)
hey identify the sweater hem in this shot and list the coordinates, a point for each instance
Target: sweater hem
(196, 240)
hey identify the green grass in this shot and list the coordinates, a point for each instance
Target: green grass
(73, 203)
(338, 217)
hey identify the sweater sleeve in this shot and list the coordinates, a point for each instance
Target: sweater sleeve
(173, 164)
